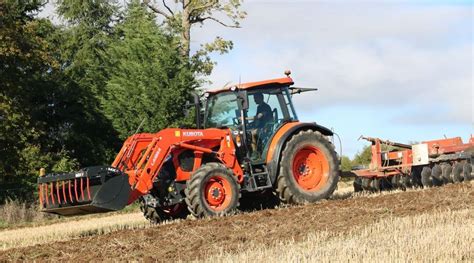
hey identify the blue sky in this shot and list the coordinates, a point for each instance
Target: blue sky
(400, 70)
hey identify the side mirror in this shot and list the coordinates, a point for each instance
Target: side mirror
(242, 99)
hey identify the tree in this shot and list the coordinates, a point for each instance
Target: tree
(196, 12)
(89, 32)
(82, 46)
(346, 163)
(30, 75)
(363, 157)
(148, 76)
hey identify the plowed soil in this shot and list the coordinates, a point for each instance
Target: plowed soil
(197, 239)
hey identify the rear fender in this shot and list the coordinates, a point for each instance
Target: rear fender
(281, 137)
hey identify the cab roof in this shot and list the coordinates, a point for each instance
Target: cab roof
(271, 83)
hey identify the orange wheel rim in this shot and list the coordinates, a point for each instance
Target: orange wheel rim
(218, 193)
(310, 168)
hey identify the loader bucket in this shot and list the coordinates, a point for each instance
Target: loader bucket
(94, 189)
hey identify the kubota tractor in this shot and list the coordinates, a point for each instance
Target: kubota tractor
(248, 141)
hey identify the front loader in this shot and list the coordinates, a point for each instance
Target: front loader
(248, 142)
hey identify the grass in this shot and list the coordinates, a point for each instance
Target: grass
(14, 213)
(417, 225)
(442, 236)
(60, 231)
(395, 230)
(27, 226)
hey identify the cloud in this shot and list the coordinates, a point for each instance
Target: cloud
(415, 58)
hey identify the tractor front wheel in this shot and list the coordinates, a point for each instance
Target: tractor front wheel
(308, 169)
(213, 190)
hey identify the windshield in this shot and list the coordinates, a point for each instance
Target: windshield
(222, 111)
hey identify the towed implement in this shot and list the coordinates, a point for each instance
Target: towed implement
(248, 144)
(429, 163)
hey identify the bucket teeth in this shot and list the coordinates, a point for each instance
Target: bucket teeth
(90, 190)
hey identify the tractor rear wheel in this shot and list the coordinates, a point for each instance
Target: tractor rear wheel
(213, 190)
(309, 169)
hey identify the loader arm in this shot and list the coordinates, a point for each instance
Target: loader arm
(133, 171)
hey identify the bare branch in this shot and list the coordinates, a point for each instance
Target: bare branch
(202, 19)
(203, 7)
(156, 9)
(167, 7)
(186, 4)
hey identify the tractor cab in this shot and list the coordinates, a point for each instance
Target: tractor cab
(253, 111)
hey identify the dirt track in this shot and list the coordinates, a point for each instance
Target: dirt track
(194, 239)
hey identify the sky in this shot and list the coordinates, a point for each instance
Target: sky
(398, 70)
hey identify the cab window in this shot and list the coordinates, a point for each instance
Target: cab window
(222, 111)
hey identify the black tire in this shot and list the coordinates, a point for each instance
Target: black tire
(446, 173)
(152, 214)
(156, 214)
(287, 187)
(437, 175)
(358, 184)
(457, 173)
(196, 188)
(467, 170)
(426, 177)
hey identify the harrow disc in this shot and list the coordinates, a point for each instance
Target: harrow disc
(426, 177)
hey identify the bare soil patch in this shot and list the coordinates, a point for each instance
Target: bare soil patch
(198, 239)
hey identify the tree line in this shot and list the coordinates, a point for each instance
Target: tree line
(71, 93)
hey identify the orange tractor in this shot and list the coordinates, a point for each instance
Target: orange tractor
(248, 143)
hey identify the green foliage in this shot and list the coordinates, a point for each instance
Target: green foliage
(148, 77)
(363, 157)
(186, 14)
(70, 94)
(47, 119)
(346, 163)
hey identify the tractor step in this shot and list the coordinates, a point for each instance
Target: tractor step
(91, 190)
(258, 179)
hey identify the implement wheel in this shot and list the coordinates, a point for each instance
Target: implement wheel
(467, 170)
(367, 184)
(446, 173)
(426, 177)
(358, 184)
(457, 173)
(309, 169)
(437, 175)
(212, 191)
(376, 184)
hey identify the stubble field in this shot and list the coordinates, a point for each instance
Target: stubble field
(417, 225)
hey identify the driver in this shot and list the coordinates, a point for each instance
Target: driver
(262, 117)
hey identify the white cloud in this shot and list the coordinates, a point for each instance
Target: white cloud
(414, 58)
